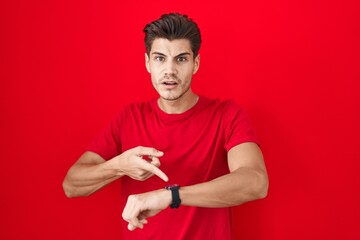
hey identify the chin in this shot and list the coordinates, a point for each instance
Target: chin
(171, 98)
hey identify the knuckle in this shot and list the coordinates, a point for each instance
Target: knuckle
(133, 199)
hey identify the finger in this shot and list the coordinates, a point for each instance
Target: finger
(130, 214)
(131, 227)
(142, 218)
(147, 151)
(134, 223)
(151, 168)
(155, 161)
(144, 221)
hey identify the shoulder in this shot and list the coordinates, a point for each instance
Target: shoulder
(229, 112)
(131, 111)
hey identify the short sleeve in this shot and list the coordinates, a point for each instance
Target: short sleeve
(107, 144)
(238, 127)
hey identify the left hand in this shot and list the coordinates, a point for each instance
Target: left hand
(139, 207)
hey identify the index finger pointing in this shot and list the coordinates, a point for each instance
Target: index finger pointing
(155, 170)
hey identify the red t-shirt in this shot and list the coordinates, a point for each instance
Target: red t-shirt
(195, 145)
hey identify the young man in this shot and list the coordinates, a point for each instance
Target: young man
(208, 151)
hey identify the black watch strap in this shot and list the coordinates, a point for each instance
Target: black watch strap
(175, 195)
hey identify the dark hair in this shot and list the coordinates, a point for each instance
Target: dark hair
(173, 26)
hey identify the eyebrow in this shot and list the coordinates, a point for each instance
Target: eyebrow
(179, 55)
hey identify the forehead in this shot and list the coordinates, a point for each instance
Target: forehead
(171, 48)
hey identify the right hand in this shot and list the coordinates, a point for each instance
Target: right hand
(132, 163)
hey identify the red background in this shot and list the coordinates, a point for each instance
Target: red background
(68, 66)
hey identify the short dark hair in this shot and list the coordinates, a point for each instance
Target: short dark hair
(173, 26)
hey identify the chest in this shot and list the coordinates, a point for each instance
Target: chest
(194, 146)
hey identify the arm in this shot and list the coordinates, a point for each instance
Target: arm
(246, 181)
(91, 172)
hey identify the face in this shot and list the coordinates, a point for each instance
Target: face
(171, 65)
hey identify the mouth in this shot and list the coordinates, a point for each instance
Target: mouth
(169, 83)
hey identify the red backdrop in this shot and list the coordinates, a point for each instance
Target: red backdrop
(68, 66)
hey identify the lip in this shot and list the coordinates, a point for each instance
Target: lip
(170, 86)
(169, 80)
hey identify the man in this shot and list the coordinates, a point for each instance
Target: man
(206, 149)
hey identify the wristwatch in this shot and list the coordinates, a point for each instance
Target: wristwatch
(175, 195)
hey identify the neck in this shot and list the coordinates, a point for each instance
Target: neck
(179, 105)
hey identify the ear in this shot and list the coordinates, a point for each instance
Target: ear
(197, 63)
(147, 64)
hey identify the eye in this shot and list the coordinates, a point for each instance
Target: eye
(181, 59)
(159, 58)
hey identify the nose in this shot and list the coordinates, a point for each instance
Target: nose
(170, 68)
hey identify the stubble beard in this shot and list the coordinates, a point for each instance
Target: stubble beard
(174, 97)
(170, 95)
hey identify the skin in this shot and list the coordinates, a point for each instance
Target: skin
(171, 65)
(173, 62)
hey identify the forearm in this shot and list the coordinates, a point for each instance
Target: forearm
(246, 181)
(85, 179)
(235, 188)
(240, 186)
(91, 172)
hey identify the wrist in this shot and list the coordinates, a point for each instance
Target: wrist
(114, 166)
(175, 195)
(166, 196)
